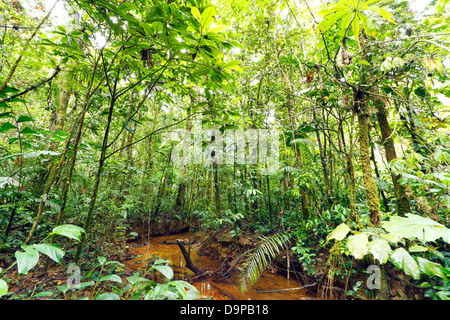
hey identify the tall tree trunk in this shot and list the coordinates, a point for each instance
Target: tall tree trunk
(403, 203)
(350, 170)
(323, 162)
(181, 194)
(369, 182)
(162, 191)
(377, 173)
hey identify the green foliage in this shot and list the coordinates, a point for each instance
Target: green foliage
(415, 238)
(266, 251)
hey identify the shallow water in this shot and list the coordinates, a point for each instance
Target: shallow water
(216, 288)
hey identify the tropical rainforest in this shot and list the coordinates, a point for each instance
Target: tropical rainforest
(134, 137)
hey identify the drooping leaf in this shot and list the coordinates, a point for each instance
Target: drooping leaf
(165, 270)
(358, 245)
(111, 277)
(430, 268)
(108, 296)
(26, 260)
(403, 260)
(356, 26)
(52, 251)
(69, 230)
(380, 249)
(24, 119)
(417, 248)
(339, 233)
(6, 126)
(3, 287)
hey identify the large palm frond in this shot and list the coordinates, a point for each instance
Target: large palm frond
(266, 250)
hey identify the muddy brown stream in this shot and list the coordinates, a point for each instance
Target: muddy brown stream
(208, 287)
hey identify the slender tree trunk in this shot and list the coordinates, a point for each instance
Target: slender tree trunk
(162, 192)
(53, 175)
(181, 194)
(403, 203)
(90, 213)
(323, 162)
(377, 173)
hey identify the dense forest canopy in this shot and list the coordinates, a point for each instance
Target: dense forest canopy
(317, 129)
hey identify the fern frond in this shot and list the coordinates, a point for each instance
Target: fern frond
(266, 251)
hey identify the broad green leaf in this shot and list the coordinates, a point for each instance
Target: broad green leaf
(358, 245)
(115, 262)
(446, 201)
(328, 21)
(24, 119)
(26, 260)
(356, 27)
(237, 68)
(430, 268)
(69, 230)
(101, 260)
(6, 126)
(6, 115)
(52, 251)
(345, 25)
(380, 249)
(3, 287)
(208, 16)
(403, 260)
(165, 270)
(27, 130)
(158, 26)
(108, 296)
(84, 285)
(417, 248)
(44, 294)
(63, 288)
(127, 6)
(190, 293)
(136, 278)
(364, 62)
(111, 277)
(220, 28)
(443, 295)
(339, 233)
(415, 226)
(196, 13)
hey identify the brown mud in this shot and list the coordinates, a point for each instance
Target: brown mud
(270, 286)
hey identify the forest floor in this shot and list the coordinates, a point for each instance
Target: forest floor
(221, 247)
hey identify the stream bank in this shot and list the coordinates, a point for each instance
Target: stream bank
(218, 251)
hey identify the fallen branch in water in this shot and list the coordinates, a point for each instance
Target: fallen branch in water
(227, 273)
(289, 289)
(222, 290)
(189, 264)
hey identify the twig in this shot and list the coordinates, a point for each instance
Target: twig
(57, 70)
(289, 289)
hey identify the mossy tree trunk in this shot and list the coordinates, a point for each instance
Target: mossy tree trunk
(369, 182)
(403, 205)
